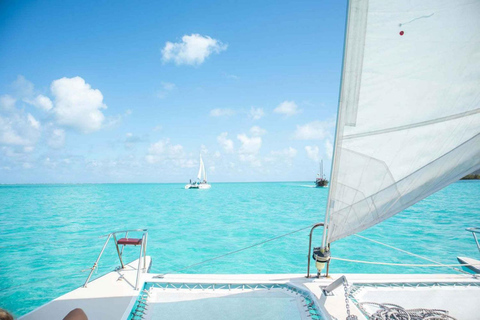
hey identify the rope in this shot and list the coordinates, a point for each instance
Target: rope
(239, 250)
(405, 264)
(389, 311)
(412, 254)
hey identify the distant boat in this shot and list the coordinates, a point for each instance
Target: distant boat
(321, 181)
(201, 182)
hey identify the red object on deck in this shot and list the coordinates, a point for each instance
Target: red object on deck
(130, 241)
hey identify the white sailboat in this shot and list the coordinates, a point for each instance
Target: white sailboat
(408, 125)
(201, 182)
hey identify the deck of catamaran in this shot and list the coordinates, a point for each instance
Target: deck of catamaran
(261, 296)
(131, 291)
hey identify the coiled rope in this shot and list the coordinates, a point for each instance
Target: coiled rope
(391, 311)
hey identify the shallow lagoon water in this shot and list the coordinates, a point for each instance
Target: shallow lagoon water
(50, 232)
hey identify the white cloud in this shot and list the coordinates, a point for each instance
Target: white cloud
(313, 152)
(164, 152)
(7, 102)
(33, 122)
(18, 128)
(193, 50)
(77, 105)
(157, 128)
(256, 113)
(329, 148)
(166, 88)
(316, 130)
(249, 149)
(23, 88)
(288, 108)
(222, 112)
(257, 131)
(56, 139)
(42, 102)
(226, 143)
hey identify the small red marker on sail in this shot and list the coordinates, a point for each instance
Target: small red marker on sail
(401, 33)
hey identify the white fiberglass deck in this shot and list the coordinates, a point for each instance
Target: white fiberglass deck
(263, 296)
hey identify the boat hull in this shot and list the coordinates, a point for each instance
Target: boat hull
(320, 183)
(198, 186)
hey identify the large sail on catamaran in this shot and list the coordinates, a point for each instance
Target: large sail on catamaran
(201, 182)
(408, 125)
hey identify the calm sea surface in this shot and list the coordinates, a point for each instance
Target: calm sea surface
(49, 233)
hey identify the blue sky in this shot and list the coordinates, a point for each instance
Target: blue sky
(134, 91)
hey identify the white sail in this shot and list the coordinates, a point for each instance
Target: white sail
(201, 170)
(409, 111)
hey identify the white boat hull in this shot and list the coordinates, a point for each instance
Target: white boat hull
(112, 296)
(198, 186)
(474, 264)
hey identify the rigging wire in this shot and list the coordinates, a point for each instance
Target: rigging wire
(405, 264)
(239, 250)
(411, 253)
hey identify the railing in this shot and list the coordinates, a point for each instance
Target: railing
(143, 251)
(310, 247)
(474, 232)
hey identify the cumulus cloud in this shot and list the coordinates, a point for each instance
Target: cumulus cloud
(256, 113)
(33, 122)
(287, 108)
(56, 139)
(219, 112)
(192, 50)
(77, 105)
(249, 145)
(7, 102)
(316, 130)
(249, 149)
(163, 151)
(23, 88)
(257, 131)
(19, 129)
(226, 143)
(41, 102)
(313, 153)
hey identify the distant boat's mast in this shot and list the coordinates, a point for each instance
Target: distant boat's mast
(321, 169)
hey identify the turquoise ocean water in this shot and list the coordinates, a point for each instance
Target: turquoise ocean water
(50, 232)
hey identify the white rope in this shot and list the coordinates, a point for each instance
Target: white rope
(412, 254)
(387, 311)
(405, 264)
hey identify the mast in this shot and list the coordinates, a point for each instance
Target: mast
(321, 169)
(334, 154)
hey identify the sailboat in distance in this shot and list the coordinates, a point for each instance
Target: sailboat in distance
(321, 181)
(201, 182)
